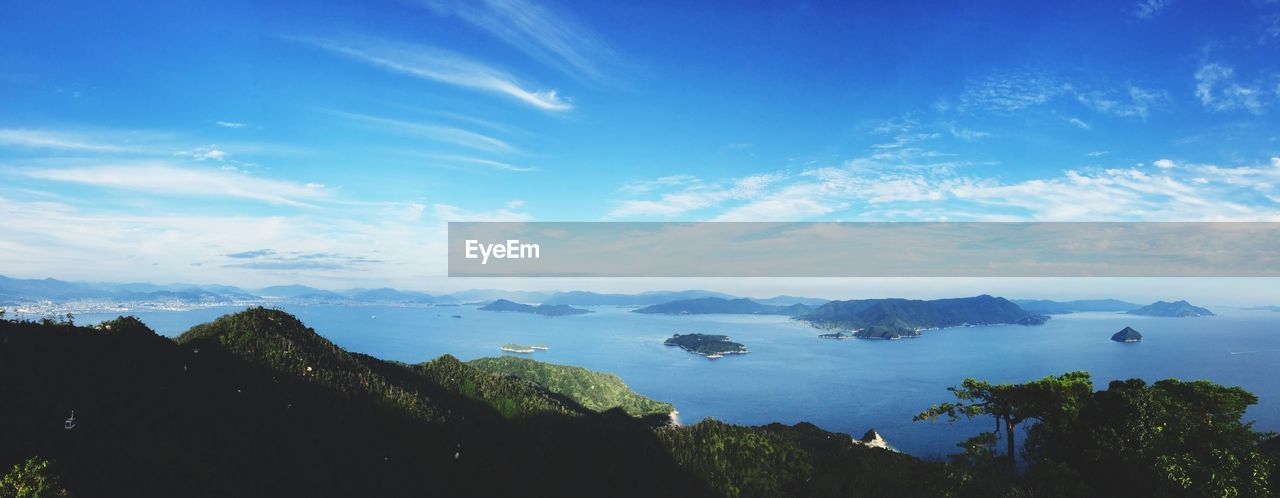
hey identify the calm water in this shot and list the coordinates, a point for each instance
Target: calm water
(791, 375)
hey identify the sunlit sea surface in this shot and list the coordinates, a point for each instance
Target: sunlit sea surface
(791, 375)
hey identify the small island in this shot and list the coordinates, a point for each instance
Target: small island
(1176, 309)
(541, 309)
(836, 335)
(887, 332)
(517, 348)
(708, 345)
(1127, 334)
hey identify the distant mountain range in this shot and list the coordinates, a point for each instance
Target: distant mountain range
(717, 305)
(1048, 307)
(1180, 309)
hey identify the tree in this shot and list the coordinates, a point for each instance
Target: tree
(1057, 399)
(34, 478)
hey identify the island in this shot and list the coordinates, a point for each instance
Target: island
(1176, 309)
(541, 309)
(836, 335)
(898, 318)
(708, 345)
(887, 332)
(716, 305)
(518, 348)
(1127, 334)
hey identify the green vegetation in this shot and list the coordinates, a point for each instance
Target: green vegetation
(890, 332)
(257, 404)
(33, 478)
(706, 344)
(598, 391)
(1171, 438)
(908, 314)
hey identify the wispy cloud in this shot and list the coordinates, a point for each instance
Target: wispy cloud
(550, 37)
(1018, 91)
(1136, 102)
(442, 66)
(1218, 90)
(489, 163)
(870, 189)
(1079, 124)
(511, 212)
(44, 139)
(165, 179)
(435, 133)
(1148, 9)
(229, 124)
(695, 197)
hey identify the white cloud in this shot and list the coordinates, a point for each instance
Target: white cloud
(1133, 102)
(867, 189)
(164, 179)
(696, 197)
(550, 37)
(448, 212)
(441, 66)
(967, 134)
(498, 165)
(1079, 124)
(436, 133)
(1148, 9)
(229, 124)
(1016, 91)
(43, 139)
(1218, 90)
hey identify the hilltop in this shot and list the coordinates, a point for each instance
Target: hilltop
(598, 391)
(257, 404)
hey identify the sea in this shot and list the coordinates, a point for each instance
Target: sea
(791, 375)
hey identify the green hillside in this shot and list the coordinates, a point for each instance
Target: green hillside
(597, 391)
(257, 404)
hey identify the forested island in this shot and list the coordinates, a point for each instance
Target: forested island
(717, 305)
(1176, 309)
(541, 309)
(899, 318)
(709, 345)
(257, 404)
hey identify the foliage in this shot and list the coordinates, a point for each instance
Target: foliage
(33, 478)
(598, 391)
(1172, 438)
(915, 314)
(705, 344)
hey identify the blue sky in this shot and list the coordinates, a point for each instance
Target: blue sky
(328, 143)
